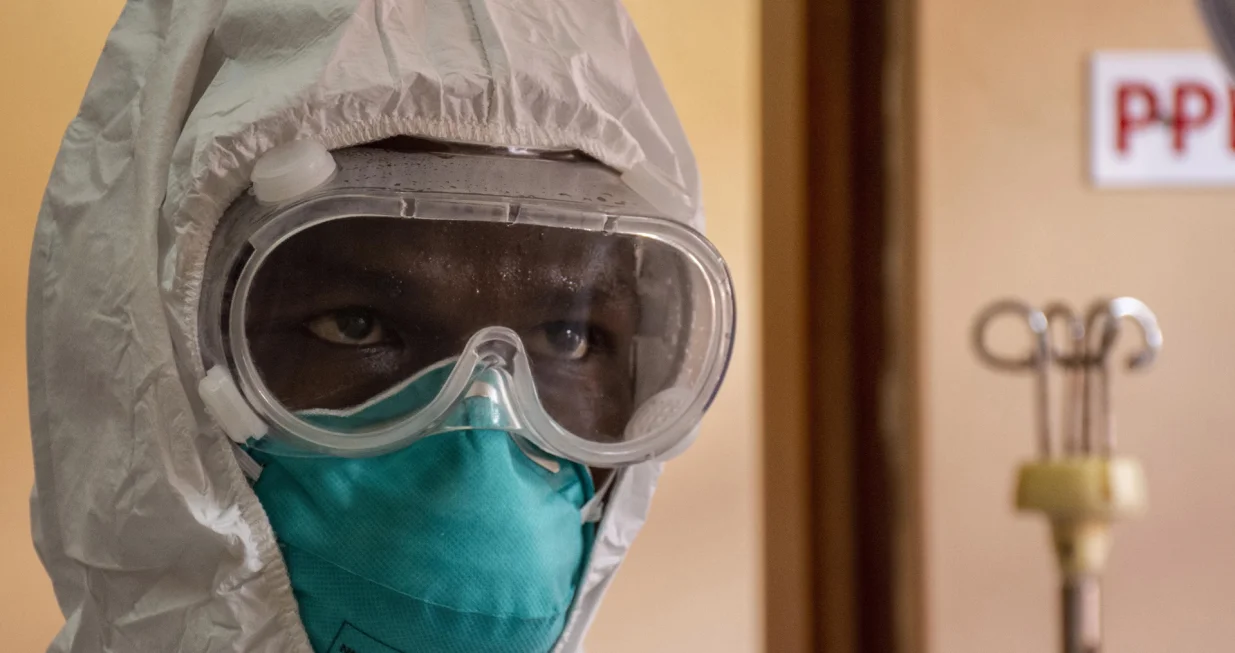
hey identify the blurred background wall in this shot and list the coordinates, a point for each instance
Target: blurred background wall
(47, 52)
(1006, 209)
(1003, 207)
(692, 582)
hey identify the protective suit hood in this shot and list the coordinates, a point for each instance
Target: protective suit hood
(152, 537)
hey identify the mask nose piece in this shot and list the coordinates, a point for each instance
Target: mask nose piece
(487, 401)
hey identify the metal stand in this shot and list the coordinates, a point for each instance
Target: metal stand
(1078, 484)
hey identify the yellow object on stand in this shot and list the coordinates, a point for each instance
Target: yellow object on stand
(1080, 486)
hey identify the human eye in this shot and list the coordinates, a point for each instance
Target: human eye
(566, 340)
(351, 327)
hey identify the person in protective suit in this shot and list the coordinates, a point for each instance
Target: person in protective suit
(363, 326)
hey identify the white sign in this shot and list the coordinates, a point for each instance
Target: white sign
(1161, 119)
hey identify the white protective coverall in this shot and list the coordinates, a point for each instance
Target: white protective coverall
(152, 537)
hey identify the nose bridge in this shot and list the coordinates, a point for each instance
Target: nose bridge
(488, 398)
(495, 347)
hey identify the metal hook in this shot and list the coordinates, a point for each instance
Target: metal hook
(1038, 359)
(1109, 315)
(1151, 334)
(1073, 361)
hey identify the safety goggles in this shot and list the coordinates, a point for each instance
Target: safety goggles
(378, 310)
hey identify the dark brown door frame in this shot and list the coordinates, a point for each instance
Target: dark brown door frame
(843, 535)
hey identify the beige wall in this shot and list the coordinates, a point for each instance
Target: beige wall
(693, 579)
(1006, 210)
(47, 51)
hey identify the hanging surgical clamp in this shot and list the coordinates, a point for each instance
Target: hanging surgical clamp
(1086, 488)
(1085, 360)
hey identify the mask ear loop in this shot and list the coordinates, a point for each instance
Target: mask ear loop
(590, 512)
(594, 509)
(251, 468)
(534, 454)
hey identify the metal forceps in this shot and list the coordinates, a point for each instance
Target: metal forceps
(1086, 488)
(1087, 344)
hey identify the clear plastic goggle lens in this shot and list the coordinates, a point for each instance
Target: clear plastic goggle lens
(348, 332)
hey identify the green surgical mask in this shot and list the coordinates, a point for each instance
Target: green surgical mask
(460, 542)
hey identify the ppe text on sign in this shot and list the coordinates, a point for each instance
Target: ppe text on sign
(1161, 119)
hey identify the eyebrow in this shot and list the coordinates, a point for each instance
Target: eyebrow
(388, 282)
(353, 278)
(554, 290)
(570, 300)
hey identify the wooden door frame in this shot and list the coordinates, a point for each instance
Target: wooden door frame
(843, 537)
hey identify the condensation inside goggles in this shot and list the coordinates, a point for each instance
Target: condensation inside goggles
(596, 335)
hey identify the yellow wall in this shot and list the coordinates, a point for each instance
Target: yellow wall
(47, 52)
(1006, 209)
(693, 580)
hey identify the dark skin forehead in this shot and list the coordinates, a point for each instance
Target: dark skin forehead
(448, 264)
(434, 284)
